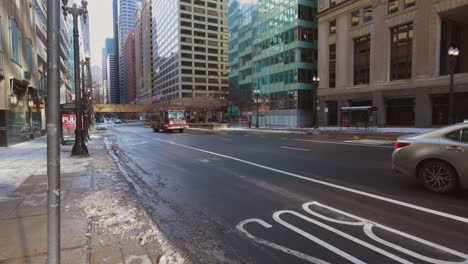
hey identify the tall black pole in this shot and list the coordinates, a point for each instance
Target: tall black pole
(315, 105)
(79, 148)
(53, 128)
(83, 101)
(257, 103)
(451, 99)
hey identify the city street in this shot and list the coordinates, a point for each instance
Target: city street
(281, 198)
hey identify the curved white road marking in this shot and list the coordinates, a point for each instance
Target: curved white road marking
(277, 218)
(368, 226)
(286, 250)
(336, 186)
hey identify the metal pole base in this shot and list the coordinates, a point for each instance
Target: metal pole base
(79, 148)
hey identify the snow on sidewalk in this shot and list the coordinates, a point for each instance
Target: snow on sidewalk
(18, 162)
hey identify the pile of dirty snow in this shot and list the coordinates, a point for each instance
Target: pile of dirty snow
(109, 214)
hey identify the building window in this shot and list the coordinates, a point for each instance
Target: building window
(361, 60)
(410, 3)
(306, 12)
(401, 52)
(367, 14)
(355, 18)
(29, 54)
(1, 41)
(332, 3)
(393, 6)
(15, 42)
(332, 66)
(333, 27)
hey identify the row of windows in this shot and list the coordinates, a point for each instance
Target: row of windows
(393, 7)
(200, 11)
(400, 56)
(201, 3)
(16, 44)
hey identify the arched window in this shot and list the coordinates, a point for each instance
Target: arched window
(15, 42)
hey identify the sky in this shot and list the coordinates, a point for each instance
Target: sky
(100, 27)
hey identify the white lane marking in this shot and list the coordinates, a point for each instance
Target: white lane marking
(370, 141)
(369, 225)
(295, 149)
(286, 250)
(342, 143)
(336, 186)
(226, 139)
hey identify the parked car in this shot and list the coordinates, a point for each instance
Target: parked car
(439, 159)
(118, 121)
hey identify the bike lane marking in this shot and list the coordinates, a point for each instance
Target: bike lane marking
(356, 221)
(336, 186)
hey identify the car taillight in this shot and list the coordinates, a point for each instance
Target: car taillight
(399, 145)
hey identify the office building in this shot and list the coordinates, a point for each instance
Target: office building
(392, 56)
(112, 89)
(272, 50)
(126, 22)
(20, 96)
(143, 53)
(189, 50)
(129, 69)
(108, 48)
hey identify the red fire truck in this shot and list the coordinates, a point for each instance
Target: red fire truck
(168, 120)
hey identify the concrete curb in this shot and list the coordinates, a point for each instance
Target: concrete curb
(324, 133)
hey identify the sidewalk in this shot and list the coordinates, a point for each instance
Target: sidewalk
(102, 220)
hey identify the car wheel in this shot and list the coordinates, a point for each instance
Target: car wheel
(181, 130)
(438, 176)
(155, 130)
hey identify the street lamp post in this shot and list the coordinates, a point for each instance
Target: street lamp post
(452, 57)
(79, 148)
(222, 98)
(316, 81)
(230, 112)
(86, 94)
(290, 97)
(256, 94)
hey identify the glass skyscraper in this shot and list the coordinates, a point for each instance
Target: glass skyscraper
(273, 49)
(126, 13)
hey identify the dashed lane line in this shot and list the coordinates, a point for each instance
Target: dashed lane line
(336, 186)
(342, 143)
(299, 149)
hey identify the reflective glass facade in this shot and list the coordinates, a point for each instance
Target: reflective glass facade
(166, 47)
(273, 48)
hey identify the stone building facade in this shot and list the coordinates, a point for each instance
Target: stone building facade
(391, 55)
(20, 114)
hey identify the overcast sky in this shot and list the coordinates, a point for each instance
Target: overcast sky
(100, 27)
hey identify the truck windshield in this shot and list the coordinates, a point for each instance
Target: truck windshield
(177, 115)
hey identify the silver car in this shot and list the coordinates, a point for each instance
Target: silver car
(439, 159)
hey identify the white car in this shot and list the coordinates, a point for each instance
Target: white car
(439, 159)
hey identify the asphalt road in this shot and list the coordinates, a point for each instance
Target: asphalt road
(281, 198)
